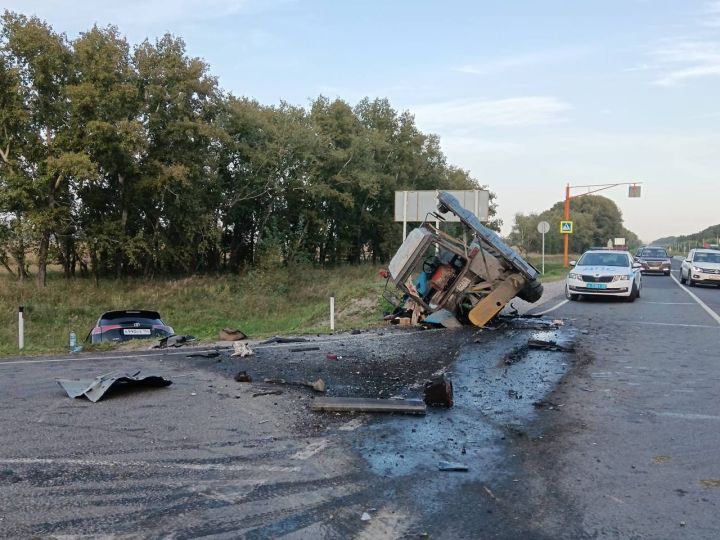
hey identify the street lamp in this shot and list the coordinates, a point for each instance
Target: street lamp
(634, 191)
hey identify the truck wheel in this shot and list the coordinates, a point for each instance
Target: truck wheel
(532, 292)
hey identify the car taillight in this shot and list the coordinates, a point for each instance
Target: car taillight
(101, 329)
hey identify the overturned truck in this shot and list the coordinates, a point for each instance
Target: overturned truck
(451, 282)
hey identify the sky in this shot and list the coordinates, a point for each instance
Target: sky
(528, 95)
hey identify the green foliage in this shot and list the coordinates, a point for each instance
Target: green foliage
(119, 162)
(596, 220)
(683, 243)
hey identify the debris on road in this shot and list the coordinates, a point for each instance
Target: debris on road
(174, 341)
(545, 404)
(365, 517)
(208, 354)
(331, 356)
(438, 392)
(242, 376)
(267, 393)
(548, 345)
(317, 386)
(95, 389)
(304, 349)
(347, 404)
(278, 339)
(242, 349)
(231, 334)
(452, 466)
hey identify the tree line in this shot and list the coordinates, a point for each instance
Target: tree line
(119, 160)
(596, 220)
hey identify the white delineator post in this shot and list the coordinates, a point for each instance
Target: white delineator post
(404, 215)
(543, 227)
(21, 328)
(332, 312)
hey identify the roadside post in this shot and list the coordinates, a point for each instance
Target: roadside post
(543, 227)
(21, 327)
(332, 312)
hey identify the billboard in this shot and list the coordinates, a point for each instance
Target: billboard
(416, 205)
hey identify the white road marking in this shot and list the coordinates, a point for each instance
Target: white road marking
(700, 302)
(312, 449)
(343, 338)
(670, 303)
(688, 416)
(546, 311)
(182, 466)
(671, 324)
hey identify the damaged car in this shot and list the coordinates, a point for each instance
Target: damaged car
(450, 281)
(114, 326)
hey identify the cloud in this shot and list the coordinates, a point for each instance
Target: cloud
(496, 65)
(712, 14)
(682, 60)
(467, 115)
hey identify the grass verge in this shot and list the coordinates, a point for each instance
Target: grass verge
(260, 303)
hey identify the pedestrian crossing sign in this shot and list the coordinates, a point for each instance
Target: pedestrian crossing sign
(566, 227)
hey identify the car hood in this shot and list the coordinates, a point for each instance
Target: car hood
(601, 270)
(707, 265)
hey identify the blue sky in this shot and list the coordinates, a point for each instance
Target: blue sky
(527, 95)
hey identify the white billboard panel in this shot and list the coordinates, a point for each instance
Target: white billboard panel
(413, 206)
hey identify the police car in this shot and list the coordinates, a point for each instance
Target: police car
(604, 273)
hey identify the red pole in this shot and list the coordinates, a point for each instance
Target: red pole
(566, 237)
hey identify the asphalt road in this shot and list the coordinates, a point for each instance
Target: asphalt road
(618, 439)
(635, 453)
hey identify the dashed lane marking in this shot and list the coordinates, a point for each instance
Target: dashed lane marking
(546, 311)
(702, 304)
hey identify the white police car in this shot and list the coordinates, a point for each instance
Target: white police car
(604, 273)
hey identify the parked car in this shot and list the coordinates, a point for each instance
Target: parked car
(701, 266)
(654, 260)
(604, 273)
(127, 324)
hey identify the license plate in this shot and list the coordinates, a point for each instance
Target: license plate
(137, 332)
(596, 285)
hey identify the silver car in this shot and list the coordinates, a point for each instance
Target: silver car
(701, 266)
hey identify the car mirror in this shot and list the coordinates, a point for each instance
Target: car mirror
(688, 260)
(637, 265)
(573, 263)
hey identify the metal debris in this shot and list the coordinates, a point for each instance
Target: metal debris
(174, 341)
(452, 466)
(318, 386)
(242, 349)
(209, 354)
(267, 393)
(95, 389)
(304, 349)
(548, 345)
(347, 404)
(278, 339)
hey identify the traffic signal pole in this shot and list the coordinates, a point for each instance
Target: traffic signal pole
(592, 188)
(566, 237)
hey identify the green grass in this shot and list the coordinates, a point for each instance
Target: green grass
(260, 303)
(554, 269)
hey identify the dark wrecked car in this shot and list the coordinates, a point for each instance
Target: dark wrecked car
(123, 325)
(449, 281)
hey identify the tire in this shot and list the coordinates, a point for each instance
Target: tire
(532, 292)
(682, 277)
(634, 293)
(570, 296)
(690, 281)
(667, 273)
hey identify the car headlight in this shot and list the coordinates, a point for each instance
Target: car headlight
(572, 275)
(697, 269)
(622, 277)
